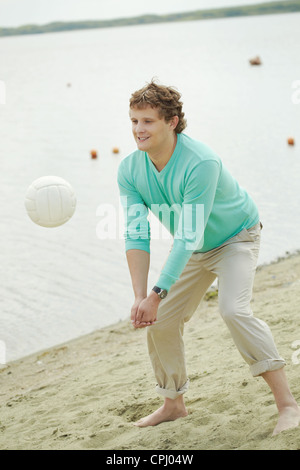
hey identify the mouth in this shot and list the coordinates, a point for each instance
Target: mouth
(142, 139)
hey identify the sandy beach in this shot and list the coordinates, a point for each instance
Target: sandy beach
(86, 394)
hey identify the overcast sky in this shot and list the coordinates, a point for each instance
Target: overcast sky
(19, 12)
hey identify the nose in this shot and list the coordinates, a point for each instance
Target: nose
(139, 128)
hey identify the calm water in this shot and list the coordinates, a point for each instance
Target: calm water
(60, 283)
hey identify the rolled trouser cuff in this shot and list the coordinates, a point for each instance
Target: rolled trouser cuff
(173, 394)
(265, 366)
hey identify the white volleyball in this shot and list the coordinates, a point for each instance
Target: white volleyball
(50, 201)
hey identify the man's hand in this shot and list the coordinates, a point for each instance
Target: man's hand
(145, 311)
(135, 307)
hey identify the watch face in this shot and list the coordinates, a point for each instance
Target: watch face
(163, 294)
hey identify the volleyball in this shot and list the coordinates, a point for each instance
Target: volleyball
(50, 201)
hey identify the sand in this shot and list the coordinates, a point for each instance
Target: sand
(87, 393)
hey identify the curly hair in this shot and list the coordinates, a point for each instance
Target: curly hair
(165, 99)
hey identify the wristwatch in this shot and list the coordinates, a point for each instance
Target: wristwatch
(162, 293)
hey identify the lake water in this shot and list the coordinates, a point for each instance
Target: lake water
(67, 93)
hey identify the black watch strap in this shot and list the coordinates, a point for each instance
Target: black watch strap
(162, 293)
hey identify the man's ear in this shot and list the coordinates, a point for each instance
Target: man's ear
(174, 121)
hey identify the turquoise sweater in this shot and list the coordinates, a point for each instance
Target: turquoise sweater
(194, 196)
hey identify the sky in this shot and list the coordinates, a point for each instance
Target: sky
(20, 12)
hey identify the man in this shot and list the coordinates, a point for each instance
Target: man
(216, 230)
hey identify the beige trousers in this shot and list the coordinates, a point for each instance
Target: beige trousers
(234, 263)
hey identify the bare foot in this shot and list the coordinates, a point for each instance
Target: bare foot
(171, 410)
(289, 418)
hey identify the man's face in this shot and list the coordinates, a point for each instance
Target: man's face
(150, 131)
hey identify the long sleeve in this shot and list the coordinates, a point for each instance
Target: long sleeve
(198, 201)
(137, 227)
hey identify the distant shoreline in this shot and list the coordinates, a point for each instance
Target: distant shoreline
(268, 8)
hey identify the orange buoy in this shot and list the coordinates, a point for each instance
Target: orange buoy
(94, 153)
(291, 141)
(115, 150)
(255, 60)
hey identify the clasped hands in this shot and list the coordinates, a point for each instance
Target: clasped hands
(144, 310)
